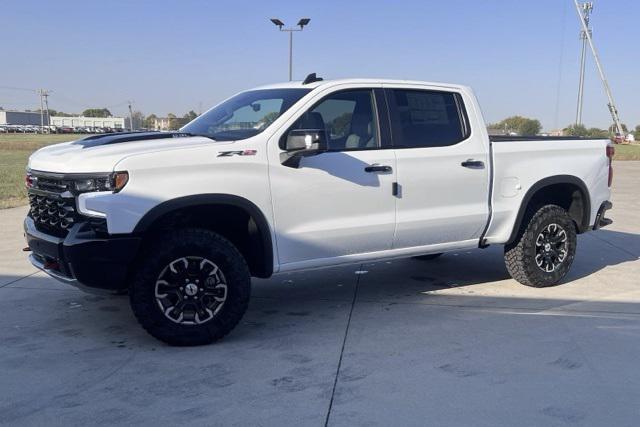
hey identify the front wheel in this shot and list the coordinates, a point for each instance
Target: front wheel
(192, 287)
(543, 252)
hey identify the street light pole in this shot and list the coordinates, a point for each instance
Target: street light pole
(301, 24)
(290, 55)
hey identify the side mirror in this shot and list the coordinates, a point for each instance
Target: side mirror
(304, 143)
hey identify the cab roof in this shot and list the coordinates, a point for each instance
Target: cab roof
(329, 83)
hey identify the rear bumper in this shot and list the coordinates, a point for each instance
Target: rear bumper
(601, 221)
(83, 259)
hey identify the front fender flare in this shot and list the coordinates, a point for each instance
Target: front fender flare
(254, 211)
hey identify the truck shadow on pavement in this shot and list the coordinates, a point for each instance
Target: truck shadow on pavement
(311, 302)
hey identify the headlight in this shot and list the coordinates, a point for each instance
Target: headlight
(92, 184)
(111, 182)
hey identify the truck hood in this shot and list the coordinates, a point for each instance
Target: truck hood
(100, 153)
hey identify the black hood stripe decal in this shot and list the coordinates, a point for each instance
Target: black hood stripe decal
(118, 138)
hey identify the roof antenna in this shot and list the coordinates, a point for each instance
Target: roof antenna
(312, 78)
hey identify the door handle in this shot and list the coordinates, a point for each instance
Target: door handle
(473, 164)
(378, 168)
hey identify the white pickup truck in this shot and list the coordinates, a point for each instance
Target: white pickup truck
(304, 175)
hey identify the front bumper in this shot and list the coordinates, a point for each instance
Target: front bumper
(83, 258)
(601, 221)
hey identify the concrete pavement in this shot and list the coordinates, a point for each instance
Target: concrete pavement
(453, 341)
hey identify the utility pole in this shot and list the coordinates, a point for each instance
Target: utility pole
(44, 93)
(40, 92)
(301, 23)
(46, 108)
(131, 117)
(612, 106)
(587, 8)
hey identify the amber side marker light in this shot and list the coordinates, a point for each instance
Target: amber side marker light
(119, 180)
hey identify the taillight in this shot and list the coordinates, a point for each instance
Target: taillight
(611, 151)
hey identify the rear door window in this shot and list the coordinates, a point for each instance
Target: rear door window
(422, 118)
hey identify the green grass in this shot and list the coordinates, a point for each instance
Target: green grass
(627, 152)
(15, 150)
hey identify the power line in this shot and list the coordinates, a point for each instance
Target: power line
(18, 88)
(560, 67)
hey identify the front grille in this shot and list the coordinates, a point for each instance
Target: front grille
(51, 214)
(53, 185)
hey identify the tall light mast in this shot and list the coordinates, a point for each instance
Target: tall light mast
(301, 23)
(612, 106)
(587, 8)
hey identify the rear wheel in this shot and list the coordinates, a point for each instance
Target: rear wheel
(192, 288)
(428, 257)
(544, 250)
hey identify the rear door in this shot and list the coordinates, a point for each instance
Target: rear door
(443, 167)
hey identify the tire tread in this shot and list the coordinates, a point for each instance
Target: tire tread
(519, 265)
(163, 247)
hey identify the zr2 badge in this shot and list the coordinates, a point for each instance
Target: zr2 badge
(237, 153)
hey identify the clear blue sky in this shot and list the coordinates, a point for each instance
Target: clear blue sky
(172, 56)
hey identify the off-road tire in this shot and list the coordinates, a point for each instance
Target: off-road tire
(172, 245)
(520, 255)
(428, 257)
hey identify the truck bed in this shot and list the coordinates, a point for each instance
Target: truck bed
(520, 162)
(509, 138)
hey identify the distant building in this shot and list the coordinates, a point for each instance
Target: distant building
(557, 132)
(8, 117)
(161, 123)
(81, 121)
(631, 138)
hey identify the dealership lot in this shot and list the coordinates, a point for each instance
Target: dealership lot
(451, 341)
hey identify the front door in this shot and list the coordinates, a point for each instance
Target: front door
(337, 204)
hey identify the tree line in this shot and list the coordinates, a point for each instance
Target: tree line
(525, 126)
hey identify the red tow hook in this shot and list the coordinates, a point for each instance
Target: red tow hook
(51, 265)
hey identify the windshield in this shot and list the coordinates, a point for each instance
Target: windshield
(245, 115)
